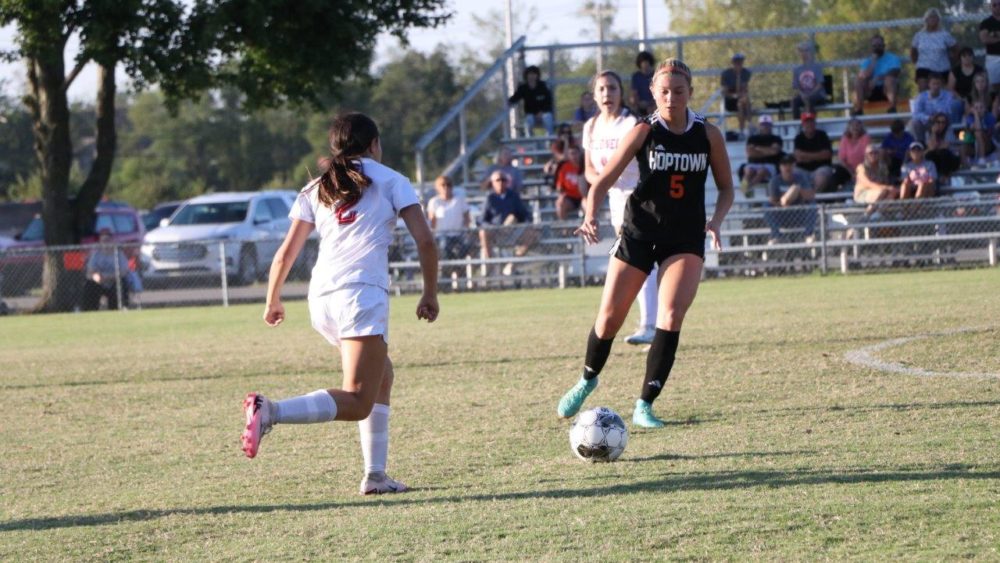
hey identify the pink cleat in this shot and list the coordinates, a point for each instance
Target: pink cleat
(380, 483)
(257, 409)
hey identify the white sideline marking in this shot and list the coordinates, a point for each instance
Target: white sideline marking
(865, 357)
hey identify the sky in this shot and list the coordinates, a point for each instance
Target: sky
(553, 19)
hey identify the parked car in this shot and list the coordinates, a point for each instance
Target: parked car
(247, 226)
(155, 217)
(21, 262)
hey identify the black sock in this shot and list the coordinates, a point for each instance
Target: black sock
(597, 355)
(659, 360)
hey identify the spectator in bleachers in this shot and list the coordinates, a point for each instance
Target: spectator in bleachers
(449, 218)
(980, 92)
(895, 146)
(872, 183)
(537, 98)
(919, 175)
(980, 126)
(878, 79)
(564, 140)
(735, 82)
(641, 97)
(854, 141)
(929, 102)
(814, 156)
(570, 184)
(932, 49)
(504, 162)
(586, 109)
(938, 146)
(790, 187)
(503, 207)
(763, 153)
(807, 82)
(989, 34)
(961, 76)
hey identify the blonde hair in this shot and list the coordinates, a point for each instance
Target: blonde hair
(673, 66)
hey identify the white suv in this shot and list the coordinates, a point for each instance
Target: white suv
(247, 226)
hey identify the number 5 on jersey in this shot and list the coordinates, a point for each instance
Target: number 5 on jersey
(677, 186)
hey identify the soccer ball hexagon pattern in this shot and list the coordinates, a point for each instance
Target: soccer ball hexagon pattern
(598, 434)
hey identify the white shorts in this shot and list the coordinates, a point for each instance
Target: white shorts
(617, 198)
(993, 68)
(351, 311)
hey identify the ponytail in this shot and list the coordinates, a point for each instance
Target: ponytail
(343, 180)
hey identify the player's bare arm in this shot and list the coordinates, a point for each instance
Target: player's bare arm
(427, 307)
(295, 239)
(723, 173)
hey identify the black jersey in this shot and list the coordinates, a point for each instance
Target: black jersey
(669, 202)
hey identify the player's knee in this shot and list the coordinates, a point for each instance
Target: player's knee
(672, 319)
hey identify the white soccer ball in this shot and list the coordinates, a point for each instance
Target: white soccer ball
(598, 434)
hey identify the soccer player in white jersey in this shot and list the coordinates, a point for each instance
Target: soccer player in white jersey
(353, 205)
(601, 135)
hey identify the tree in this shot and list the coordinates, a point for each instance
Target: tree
(271, 51)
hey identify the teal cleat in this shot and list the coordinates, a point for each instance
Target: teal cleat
(643, 416)
(573, 399)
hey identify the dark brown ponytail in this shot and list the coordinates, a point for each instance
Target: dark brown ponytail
(342, 179)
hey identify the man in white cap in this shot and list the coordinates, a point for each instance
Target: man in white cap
(763, 154)
(735, 82)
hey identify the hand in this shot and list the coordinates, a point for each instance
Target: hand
(713, 230)
(96, 276)
(589, 230)
(274, 313)
(427, 308)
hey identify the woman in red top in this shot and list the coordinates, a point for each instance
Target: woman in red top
(570, 183)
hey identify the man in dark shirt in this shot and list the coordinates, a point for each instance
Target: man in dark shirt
(989, 34)
(504, 207)
(735, 82)
(641, 97)
(537, 101)
(814, 156)
(763, 153)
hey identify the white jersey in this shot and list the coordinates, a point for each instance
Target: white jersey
(354, 240)
(600, 140)
(449, 214)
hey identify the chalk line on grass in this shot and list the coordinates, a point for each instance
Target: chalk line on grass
(865, 357)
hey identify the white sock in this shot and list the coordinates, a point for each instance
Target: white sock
(317, 406)
(647, 301)
(374, 435)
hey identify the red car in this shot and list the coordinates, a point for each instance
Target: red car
(21, 261)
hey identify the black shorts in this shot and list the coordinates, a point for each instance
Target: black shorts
(732, 104)
(877, 94)
(644, 254)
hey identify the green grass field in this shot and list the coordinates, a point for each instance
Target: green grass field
(120, 434)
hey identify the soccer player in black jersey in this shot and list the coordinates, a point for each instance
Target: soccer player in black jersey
(664, 224)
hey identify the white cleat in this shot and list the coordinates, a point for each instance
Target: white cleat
(380, 483)
(641, 336)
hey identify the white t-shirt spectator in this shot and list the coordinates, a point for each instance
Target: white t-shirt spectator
(354, 240)
(600, 140)
(932, 50)
(449, 215)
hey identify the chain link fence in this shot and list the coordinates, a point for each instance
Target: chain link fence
(845, 238)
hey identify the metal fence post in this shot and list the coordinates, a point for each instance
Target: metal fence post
(822, 238)
(222, 268)
(118, 277)
(583, 263)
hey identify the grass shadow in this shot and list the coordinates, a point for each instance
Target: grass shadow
(708, 481)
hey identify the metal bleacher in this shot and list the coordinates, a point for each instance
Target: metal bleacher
(958, 228)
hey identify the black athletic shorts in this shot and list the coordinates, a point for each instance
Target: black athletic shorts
(732, 104)
(644, 254)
